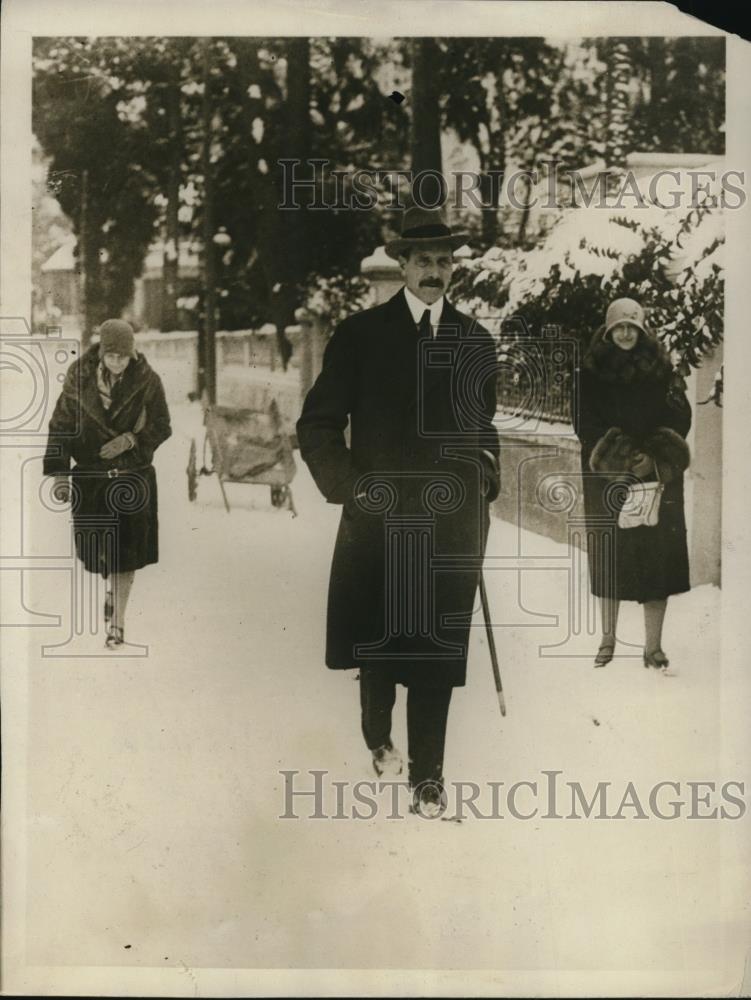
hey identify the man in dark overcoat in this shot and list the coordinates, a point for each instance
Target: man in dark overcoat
(416, 380)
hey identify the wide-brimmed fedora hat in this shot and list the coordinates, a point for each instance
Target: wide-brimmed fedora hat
(423, 226)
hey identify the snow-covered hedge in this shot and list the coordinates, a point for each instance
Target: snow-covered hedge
(338, 296)
(670, 261)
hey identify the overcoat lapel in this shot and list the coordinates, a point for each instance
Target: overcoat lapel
(91, 402)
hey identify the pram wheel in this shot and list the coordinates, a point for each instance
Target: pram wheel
(281, 496)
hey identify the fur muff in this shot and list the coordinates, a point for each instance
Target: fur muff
(613, 454)
(670, 453)
(616, 453)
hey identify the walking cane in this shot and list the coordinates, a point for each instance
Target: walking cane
(491, 644)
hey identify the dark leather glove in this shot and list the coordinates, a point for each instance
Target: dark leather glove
(115, 447)
(643, 465)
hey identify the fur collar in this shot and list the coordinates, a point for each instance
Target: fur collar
(81, 386)
(648, 361)
(138, 373)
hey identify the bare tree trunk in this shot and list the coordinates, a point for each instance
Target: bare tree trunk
(532, 159)
(283, 238)
(293, 227)
(84, 263)
(658, 85)
(522, 231)
(298, 144)
(426, 120)
(490, 189)
(209, 273)
(95, 305)
(171, 265)
(618, 115)
(489, 197)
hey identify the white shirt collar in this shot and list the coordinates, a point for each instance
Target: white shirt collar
(417, 307)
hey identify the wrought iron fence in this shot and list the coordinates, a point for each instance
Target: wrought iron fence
(536, 375)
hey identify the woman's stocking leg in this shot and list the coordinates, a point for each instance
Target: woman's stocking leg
(121, 584)
(654, 616)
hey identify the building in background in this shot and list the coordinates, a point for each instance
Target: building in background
(59, 301)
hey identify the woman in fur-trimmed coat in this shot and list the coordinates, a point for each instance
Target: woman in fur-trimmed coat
(110, 418)
(632, 417)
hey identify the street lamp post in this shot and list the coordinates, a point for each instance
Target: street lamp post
(209, 273)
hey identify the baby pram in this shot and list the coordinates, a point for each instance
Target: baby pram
(247, 446)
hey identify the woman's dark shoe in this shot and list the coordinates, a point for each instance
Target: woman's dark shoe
(656, 659)
(115, 637)
(109, 606)
(605, 653)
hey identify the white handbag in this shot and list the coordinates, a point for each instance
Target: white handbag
(642, 505)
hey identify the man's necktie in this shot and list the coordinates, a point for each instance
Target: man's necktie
(423, 327)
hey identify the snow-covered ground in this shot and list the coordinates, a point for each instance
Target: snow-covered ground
(154, 793)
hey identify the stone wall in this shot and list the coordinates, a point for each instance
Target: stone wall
(249, 372)
(174, 356)
(540, 482)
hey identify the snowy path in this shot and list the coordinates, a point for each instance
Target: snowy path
(154, 789)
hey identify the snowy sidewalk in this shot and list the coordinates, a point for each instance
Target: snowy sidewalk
(154, 786)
